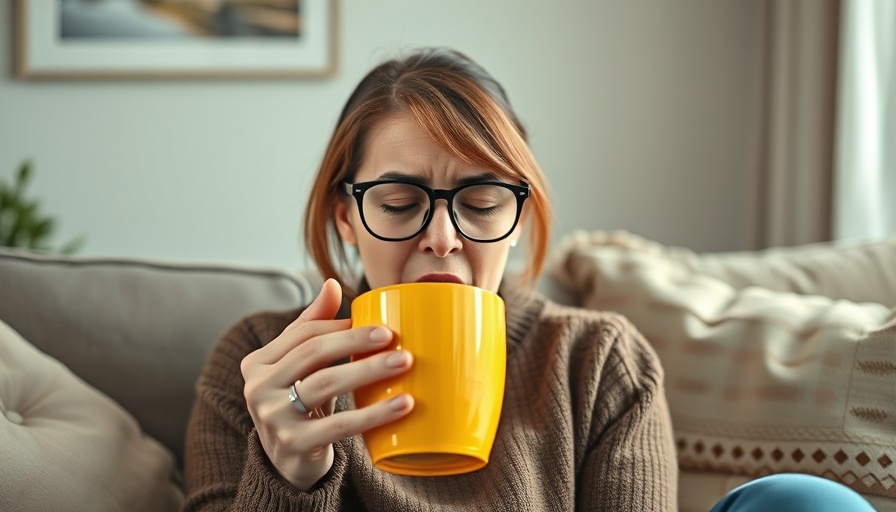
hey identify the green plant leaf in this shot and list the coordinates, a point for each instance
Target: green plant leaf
(23, 176)
(73, 245)
(5, 196)
(42, 229)
(22, 223)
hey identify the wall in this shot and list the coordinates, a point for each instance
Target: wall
(639, 112)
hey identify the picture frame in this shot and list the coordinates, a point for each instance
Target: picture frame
(130, 42)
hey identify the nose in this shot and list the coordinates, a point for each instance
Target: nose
(440, 237)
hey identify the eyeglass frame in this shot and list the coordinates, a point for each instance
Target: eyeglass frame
(357, 190)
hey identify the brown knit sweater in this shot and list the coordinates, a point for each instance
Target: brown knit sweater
(584, 426)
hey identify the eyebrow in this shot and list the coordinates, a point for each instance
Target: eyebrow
(413, 178)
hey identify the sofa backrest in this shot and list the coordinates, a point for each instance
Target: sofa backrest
(137, 330)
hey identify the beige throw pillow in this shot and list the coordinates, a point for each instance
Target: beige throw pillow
(66, 446)
(855, 271)
(758, 381)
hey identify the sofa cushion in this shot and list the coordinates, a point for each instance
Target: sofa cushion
(759, 381)
(137, 330)
(66, 446)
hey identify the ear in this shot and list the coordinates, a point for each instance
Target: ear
(343, 223)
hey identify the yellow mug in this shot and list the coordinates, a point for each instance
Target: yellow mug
(458, 337)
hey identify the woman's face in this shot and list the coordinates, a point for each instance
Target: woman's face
(398, 146)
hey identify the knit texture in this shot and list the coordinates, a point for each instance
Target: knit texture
(584, 426)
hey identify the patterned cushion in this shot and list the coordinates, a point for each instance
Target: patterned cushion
(759, 381)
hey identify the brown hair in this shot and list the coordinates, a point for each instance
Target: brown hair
(462, 108)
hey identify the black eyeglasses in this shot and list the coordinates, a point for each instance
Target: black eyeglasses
(396, 210)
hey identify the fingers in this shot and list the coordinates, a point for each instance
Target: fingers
(321, 350)
(339, 426)
(320, 386)
(295, 335)
(315, 320)
(325, 305)
(305, 448)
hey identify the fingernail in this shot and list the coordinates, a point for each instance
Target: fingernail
(397, 360)
(380, 335)
(398, 403)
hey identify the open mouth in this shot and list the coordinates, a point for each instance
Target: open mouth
(440, 278)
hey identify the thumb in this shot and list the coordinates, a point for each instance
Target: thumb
(326, 304)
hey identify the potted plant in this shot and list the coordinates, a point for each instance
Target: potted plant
(22, 223)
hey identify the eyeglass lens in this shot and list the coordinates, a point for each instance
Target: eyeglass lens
(398, 210)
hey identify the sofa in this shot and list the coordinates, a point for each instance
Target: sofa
(775, 361)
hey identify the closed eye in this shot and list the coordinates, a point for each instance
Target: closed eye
(397, 209)
(483, 211)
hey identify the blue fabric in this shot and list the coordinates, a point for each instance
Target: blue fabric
(793, 493)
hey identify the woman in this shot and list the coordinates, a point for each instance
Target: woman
(585, 424)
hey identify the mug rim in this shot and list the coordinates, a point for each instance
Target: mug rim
(425, 284)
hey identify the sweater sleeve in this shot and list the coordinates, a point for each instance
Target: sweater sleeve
(630, 463)
(225, 465)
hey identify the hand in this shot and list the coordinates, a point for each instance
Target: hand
(301, 446)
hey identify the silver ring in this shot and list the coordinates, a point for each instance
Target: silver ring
(296, 401)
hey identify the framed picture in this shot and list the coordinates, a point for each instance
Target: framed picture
(122, 39)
